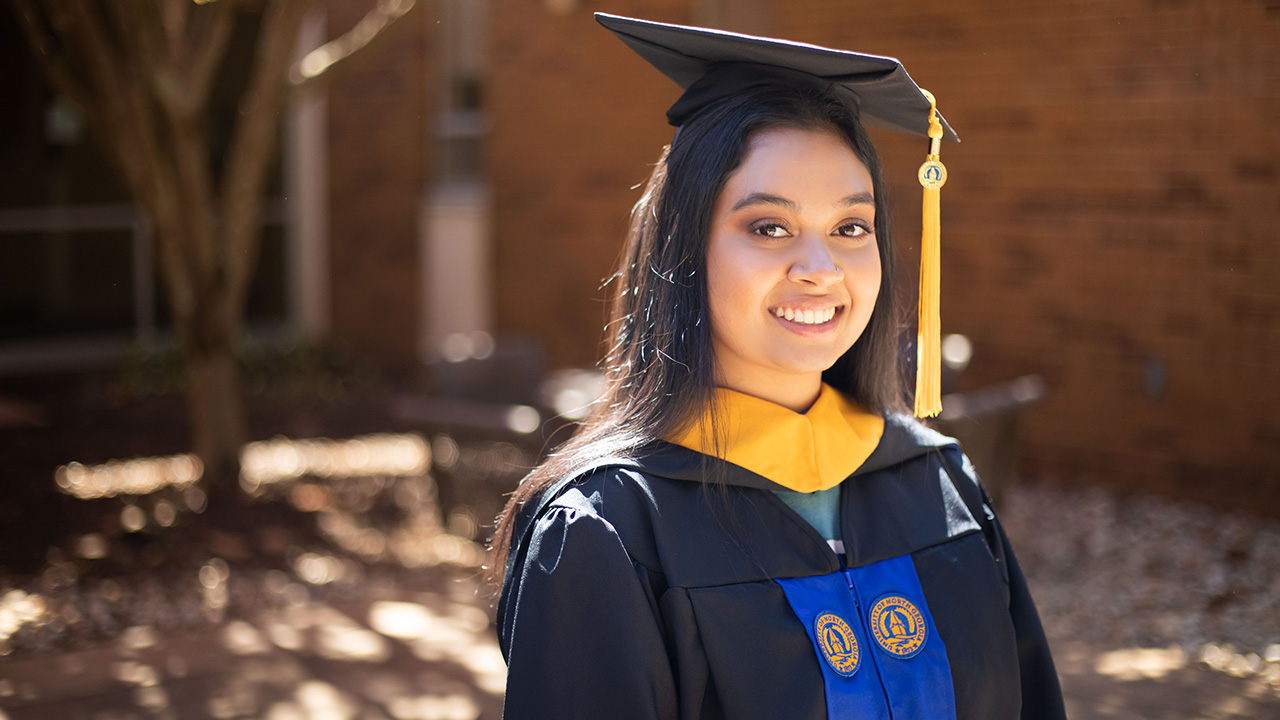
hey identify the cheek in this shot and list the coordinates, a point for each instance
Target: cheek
(863, 282)
(733, 283)
(872, 282)
(863, 275)
(720, 283)
(724, 301)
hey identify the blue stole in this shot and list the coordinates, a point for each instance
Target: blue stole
(876, 643)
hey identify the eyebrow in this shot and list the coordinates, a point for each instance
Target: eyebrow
(764, 198)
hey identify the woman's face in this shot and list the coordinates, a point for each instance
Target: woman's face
(792, 264)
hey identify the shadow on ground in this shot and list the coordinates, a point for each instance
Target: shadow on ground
(1155, 684)
(427, 655)
(352, 600)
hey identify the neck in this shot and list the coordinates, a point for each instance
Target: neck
(796, 392)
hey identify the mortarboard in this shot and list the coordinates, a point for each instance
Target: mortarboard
(711, 65)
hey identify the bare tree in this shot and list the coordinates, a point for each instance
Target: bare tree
(142, 73)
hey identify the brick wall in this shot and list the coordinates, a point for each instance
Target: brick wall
(1109, 222)
(577, 122)
(379, 119)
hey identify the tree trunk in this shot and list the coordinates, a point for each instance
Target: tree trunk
(215, 408)
(149, 70)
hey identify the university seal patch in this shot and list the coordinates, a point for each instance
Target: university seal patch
(898, 626)
(837, 642)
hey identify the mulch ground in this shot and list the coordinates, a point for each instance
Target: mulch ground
(357, 602)
(348, 599)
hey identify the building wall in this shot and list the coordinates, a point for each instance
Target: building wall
(577, 124)
(380, 114)
(1108, 223)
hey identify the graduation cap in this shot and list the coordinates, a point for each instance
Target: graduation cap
(712, 65)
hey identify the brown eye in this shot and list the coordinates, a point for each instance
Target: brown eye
(854, 230)
(769, 230)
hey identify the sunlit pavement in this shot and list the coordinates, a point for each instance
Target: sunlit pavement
(425, 656)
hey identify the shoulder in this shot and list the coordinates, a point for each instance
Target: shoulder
(608, 490)
(614, 494)
(573, 551)
(908, 433)
(621, 500)
(923, 473)
(906, 439)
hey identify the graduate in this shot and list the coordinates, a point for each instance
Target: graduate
(750, 524)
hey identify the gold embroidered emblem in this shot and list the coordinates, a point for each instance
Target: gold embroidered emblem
(898, 626)
(837, 642)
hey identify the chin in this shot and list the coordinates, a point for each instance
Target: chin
(809, 364)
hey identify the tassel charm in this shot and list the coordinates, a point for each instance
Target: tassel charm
(933, 175)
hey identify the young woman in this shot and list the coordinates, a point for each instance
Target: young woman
(747, 526)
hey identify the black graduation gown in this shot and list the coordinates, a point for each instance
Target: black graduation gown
(636, 590)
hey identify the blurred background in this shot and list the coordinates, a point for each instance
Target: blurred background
(292, 291)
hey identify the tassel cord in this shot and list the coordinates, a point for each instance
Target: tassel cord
(932, 175)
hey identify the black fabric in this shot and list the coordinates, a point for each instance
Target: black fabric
(700, 59)
(574, 543)
(724, 80)
(1041, 695)
(641, 594)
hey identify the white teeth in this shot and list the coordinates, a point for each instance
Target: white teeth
(806, 317)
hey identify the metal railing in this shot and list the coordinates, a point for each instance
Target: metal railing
(94, 349)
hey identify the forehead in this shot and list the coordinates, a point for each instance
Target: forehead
(786, 161)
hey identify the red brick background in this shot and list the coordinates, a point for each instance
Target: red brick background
(1109, 223)
(577, 124)
(1111, 216)
(379, 120)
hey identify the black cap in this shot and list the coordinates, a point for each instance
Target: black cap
(713, 64)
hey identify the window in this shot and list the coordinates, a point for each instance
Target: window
(78, 277)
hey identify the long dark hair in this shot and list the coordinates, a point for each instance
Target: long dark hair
(659, 365)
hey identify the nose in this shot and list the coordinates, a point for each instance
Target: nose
(814, 265)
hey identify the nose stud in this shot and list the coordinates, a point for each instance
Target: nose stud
(800, 272)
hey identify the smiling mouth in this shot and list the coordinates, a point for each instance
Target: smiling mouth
(807, 317)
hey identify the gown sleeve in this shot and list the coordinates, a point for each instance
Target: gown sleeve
(1041, 691)
(580, 631)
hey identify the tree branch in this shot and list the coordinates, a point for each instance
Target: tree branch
(209, 53)
(75, 24)
(101, 102)
(148, 42)
(253, 145)
(315, 67)
(151, 56)
(173, 20)
(74, 21)
(132, 137)
(38, 37)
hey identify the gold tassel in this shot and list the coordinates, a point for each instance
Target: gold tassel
(933, 174)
